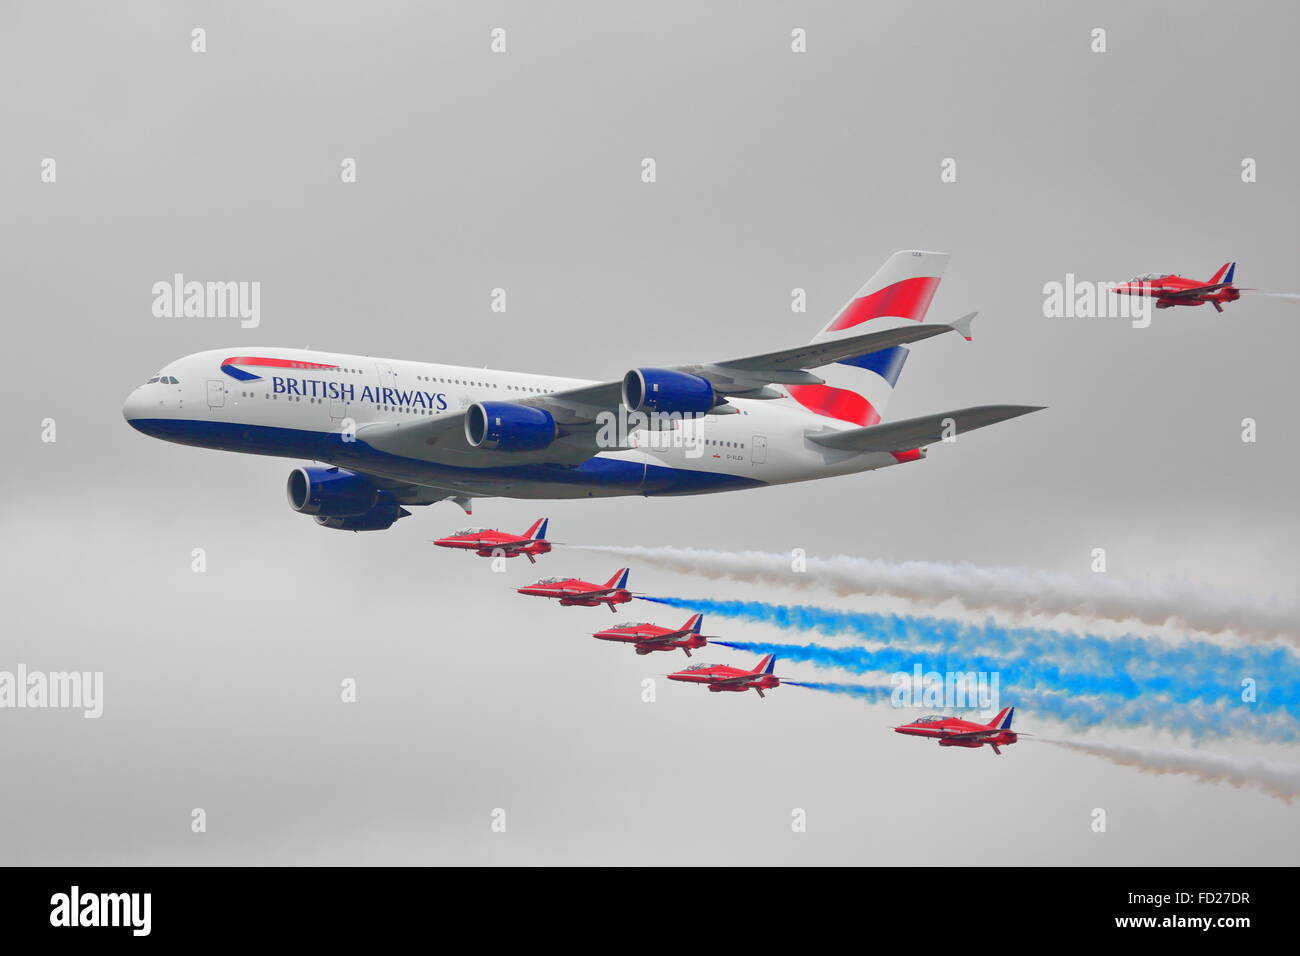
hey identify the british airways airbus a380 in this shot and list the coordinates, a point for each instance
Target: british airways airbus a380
(397, 433)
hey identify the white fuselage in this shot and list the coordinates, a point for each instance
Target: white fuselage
(295, 403)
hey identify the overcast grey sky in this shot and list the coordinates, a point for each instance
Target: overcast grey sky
(521, 170)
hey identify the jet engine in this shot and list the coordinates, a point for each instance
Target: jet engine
(505, 426)
(330, 492)
(342, 499)
(664, 390)
(379, 518)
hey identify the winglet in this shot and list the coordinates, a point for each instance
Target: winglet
(962, 325)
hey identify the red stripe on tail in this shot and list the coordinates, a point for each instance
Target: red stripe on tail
(908, 299)
(835, 403)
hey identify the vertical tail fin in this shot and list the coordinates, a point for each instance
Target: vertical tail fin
(766, 665)
(619, 580)
(858, 389)
(1224, 274)
(537, 532)
(694, 623)
(1003, 720)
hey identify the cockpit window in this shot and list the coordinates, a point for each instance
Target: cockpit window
(465, 531)
(156, 378)
(929, 719)
(1151, 276)
(700, 667)
(551, 580)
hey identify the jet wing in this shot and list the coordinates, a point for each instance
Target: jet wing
(972, 734)
(918, 432)
(577, 410)
(1199, 290)
(664, 638)
(738, 679)
(988, 734)
(407, 493)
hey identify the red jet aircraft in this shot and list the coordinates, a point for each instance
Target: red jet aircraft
(955, 732)
(489, 543)
(571, 591)
(652, 637)
(1172, 290)
(720, 677)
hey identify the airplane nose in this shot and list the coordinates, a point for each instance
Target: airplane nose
(134, 406)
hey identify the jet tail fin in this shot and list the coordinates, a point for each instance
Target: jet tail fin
(766, 665)
(1224, 274)
(619, 580)
(537, 531)
(1003, 720)
(694, 623)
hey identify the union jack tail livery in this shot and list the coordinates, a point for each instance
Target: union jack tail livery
(1003, 720)
(1224, 274)
(857, 389)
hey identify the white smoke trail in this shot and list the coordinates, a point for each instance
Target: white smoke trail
(1276, 779)
(1014, 590)
(1293, 296)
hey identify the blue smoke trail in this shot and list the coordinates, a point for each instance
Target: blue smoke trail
(873, 695)
(1151, 693)
(1083, 713)
(1127, 667)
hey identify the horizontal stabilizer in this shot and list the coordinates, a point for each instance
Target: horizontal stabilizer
(918, 432)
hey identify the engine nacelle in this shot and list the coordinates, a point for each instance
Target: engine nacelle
(379, 518)
(331, 492)
(505, 426)
(664, 390)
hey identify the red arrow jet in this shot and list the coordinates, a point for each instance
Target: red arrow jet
(571, 591)
(720, 677)
(1172, 290)
(490, 543)
(652, 637)
(955, 732)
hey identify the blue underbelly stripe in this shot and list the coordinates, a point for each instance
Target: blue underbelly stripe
(630, 477)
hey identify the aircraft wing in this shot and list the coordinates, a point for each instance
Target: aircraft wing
(918, 432)
(577, 411)
(408, 492)
(1199, 290)
(664, 638)
(738, 679)
(982, 734)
